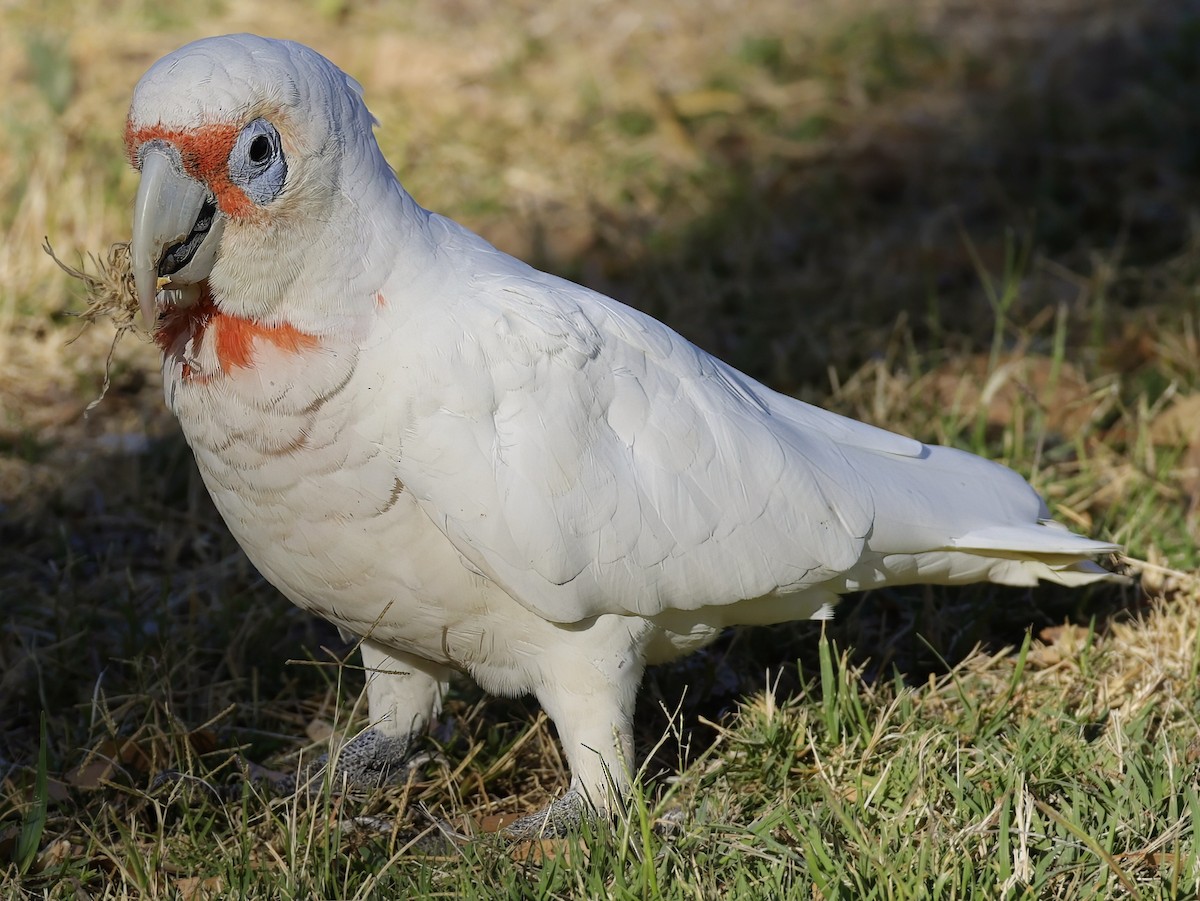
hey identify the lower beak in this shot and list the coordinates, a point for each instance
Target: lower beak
(177, 230)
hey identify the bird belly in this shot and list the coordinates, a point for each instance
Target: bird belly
(387, 573)
(308, 485)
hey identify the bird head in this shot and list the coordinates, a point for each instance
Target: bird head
(246, 147)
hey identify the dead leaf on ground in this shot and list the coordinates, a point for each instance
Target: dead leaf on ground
(1062, 394)
(538, 851)
(57, 852)
(318, 730)
(1179, 423)
(1058, 643)
(198, 888)
(137, 755)
(496, 821)
(1135, 347)
(1066, 634)
(105, 760)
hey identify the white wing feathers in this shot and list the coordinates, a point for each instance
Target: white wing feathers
(590, 460)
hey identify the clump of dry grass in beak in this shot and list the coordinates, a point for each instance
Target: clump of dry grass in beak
(111, 293)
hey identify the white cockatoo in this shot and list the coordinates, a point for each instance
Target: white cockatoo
(481, 468)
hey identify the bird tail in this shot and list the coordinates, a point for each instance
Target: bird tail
(1018, 555)
(1047, 551)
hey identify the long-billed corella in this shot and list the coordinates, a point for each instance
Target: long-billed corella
(482, 468)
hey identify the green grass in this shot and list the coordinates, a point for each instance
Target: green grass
(972, 227)
(1066, 770)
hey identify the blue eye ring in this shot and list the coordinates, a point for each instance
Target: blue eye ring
(256, 163)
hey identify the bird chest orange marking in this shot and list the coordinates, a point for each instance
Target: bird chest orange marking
(233, 337)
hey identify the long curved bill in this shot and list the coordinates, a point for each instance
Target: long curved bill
(177, 230)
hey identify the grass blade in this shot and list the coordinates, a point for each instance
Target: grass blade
(34, 823)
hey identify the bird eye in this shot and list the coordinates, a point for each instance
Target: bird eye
(260, 149)
(256, 163)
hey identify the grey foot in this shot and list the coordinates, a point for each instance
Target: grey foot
(558, 819)
(369, 760)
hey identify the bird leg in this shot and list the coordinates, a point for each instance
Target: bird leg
(593, 713)
(404, 693)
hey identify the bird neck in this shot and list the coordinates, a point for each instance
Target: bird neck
(326, 278)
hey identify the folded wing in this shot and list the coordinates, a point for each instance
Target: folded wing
(590, 460)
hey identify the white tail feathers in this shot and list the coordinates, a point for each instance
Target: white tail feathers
(1047, 551)
(1018, 555)
(1027, 572)
(1045, 539)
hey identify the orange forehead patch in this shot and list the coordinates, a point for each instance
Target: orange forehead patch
(234, 338)
(205, 155)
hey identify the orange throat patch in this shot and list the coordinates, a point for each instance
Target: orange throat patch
(233, 337)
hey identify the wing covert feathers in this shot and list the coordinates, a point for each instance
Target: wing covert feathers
(593, 461)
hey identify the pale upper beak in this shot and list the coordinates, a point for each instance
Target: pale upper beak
(177, 228)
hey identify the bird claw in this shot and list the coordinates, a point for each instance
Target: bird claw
(369, 760)
(558, 819)
(224, 791)
(172, 777)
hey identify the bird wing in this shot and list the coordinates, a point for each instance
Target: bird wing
(590, 460)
